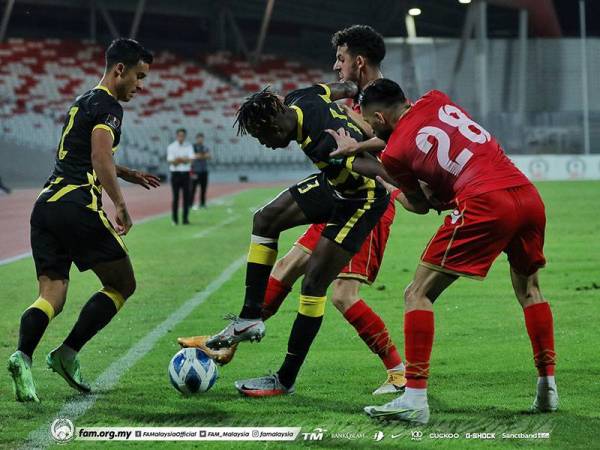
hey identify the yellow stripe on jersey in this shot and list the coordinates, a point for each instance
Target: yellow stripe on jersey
(341, 178)
(94, 203)
(327, 95)
(321, 164)
(300, 116)
(261, 254)
(109, 227)
(64, 191)
(46, 189)
(307, 141)
(357, 215)
(312, 306)
(349, 162)
(115, 296)
(337, 115)
(101, 126)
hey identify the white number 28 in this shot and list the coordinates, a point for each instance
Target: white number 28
(468, 128)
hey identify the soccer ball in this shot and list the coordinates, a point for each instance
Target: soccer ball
(192, 372)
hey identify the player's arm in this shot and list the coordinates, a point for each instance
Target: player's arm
(144, 179)
(338, 91)
(411, 197)
(346, 145)
(358, 119)
(104, 166)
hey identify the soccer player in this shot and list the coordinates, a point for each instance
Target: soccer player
(69, 225)
(359, 52)
(343, 195)
(495, 209)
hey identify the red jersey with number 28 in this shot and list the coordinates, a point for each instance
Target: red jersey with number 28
(436, 141)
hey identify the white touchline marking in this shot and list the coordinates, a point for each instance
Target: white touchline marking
(216, 201)
(41, 439)
(216, 227)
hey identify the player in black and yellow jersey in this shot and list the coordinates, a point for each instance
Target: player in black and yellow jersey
(343, 194)
(69, 226)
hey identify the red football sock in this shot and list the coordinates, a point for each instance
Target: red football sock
(274, 296)
(540, 327)
(418, 341)
(372, 330)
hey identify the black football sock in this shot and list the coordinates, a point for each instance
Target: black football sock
(34, 322)
(303, 333)
(95, 315)
(261, 258)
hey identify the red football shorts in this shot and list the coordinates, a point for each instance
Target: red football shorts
(509, 220)
(365, 264)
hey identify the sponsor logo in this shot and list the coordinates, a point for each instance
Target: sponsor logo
(416, 435)
(314, 435)
(62, 430)
(576, 168)
(454, 216)
(538, 168)
(378, 436)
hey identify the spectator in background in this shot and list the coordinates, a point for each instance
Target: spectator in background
(199, 172)
(6, 189)
(179, 156)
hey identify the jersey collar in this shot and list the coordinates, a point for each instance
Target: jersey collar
(105, 89)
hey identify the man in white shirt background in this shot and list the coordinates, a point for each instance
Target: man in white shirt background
(179, 156)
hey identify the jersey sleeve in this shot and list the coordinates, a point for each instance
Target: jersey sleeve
(109, 115)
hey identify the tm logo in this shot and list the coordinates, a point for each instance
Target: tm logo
(314, 435)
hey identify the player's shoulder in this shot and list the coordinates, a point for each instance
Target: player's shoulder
(432, 97)
(307, 94)
(99, 99)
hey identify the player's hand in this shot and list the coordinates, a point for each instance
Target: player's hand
(123, 220)
(144, 179)
(346, 145)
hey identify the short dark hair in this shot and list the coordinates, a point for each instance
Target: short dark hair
(126, 51)
(181, 130)
(383, 91)
(259, 111)
(199, 135)
(361, 40)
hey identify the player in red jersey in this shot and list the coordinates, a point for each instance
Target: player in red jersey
(495, 209)
(359, 52)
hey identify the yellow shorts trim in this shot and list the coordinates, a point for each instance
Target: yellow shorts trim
(115, 296)
(312, 306)
(108, 226)
(261, 254)
(45, 306)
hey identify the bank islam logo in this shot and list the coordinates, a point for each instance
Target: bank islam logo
(314, 435)
(62, 430)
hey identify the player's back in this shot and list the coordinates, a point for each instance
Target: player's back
(317, 113)
(436, 141)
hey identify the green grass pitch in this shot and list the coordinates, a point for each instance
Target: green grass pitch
(482, 374)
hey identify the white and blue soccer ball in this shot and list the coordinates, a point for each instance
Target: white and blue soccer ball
(192, 372)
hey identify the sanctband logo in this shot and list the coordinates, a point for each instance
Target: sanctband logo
(62, 430)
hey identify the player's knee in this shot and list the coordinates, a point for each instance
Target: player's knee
(341, 297)
(312, 284)
(412, 296)
(127, 287)
(262, 223)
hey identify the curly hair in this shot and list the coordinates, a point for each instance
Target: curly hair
(361, 40)
(258, 112)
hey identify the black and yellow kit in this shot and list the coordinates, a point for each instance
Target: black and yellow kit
(349, 203)
(68, 223)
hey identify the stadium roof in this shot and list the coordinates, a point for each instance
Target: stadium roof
(194, 25)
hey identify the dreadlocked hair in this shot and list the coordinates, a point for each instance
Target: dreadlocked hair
(258, 112)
